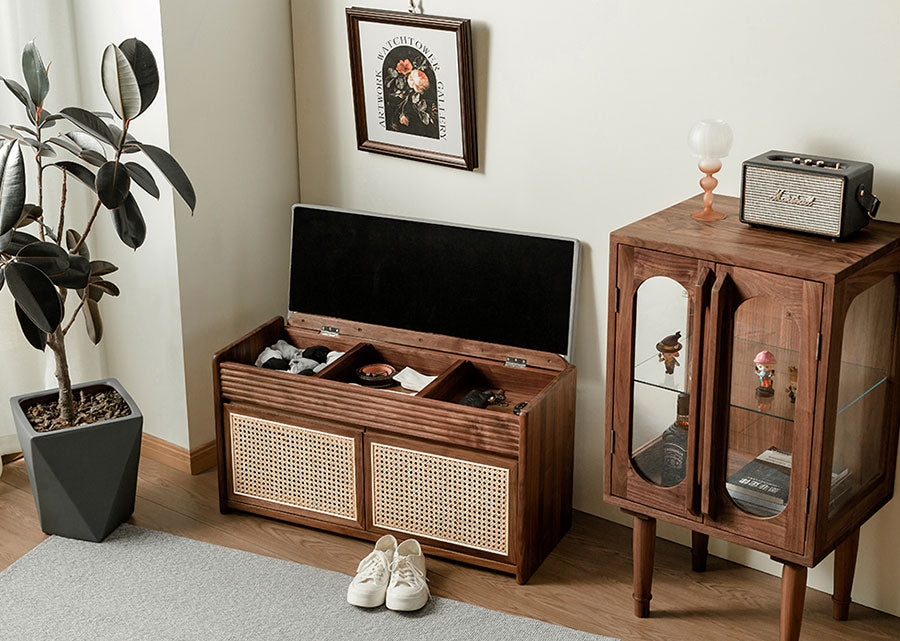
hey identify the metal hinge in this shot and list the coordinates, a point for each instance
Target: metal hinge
(328, 330)
(512, 361)
(617, 300)
(818, 345)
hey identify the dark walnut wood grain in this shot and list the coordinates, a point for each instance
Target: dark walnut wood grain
(797, 291)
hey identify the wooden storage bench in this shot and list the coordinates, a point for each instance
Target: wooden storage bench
(485, 486)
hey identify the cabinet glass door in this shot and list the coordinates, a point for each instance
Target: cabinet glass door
(760, 434)
(659, 333)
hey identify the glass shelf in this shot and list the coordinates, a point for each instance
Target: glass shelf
(857, 381)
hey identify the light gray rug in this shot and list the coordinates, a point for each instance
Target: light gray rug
(142, 585)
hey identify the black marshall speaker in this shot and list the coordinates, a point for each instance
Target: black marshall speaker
(824, 196)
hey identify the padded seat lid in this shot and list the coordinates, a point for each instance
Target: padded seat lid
(438, 278)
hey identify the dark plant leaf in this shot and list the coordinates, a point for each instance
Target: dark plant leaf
(129, 223)
(66, 144)
(130, 149)
(72, 238)
(92, 157)
(120, 84)
(172, 171)
(2, 277)
(112, 184)
(50, 258)
(82, 173)
(46, 151)
(18, 240)
(35, 74)
(76, 276)
(35, 337)
(142, 177)
(36, 295)
(27, 130)
(19, 92)
(85, 141)
(4, 241)
(12, 185)
(48, 119)
(89, 123)
(92, 321)
(30, 214)
(102, 268)
(104, 285)
(143, 64)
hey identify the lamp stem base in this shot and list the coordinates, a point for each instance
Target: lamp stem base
(708, 183)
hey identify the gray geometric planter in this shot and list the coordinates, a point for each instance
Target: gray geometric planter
(83, 478)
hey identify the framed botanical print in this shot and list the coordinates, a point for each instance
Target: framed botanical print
(413, 86)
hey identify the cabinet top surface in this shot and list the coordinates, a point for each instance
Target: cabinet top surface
(732, 242)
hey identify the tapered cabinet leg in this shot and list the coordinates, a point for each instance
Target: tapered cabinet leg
(643, 547)
(844, 568)
(699, 551)
(793, 594)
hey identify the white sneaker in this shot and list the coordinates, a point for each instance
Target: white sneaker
(407, 590)
(368, 587)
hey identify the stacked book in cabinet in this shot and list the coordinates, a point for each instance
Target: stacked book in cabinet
(487, 485)
(752, 390)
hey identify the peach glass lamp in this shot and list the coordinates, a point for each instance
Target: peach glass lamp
(710, 141)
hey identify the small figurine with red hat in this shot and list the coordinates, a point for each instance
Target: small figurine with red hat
(765, 370)
(668, 349)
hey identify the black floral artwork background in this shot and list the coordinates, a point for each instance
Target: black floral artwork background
(410, 93)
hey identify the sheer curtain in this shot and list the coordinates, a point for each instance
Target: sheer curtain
(52, 23)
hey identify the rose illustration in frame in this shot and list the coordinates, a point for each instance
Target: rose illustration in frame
(413, 86)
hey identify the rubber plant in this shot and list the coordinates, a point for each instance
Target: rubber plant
(50, 262)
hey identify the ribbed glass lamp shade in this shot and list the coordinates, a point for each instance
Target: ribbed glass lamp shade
(710, 139)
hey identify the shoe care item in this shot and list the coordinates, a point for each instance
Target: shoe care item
(483, 398)
(376, 375)
(412, 380)
(368, 587)
(285, 357)
(674, 444)
(408, 587)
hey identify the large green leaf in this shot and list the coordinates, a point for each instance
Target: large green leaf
(35, 74)
(17, 240)
(112, 184)
(50, 258)
(19, 92)
(36, 295)
(172, 171)
(12, 185)
(104, 285)
(33, 334)
(90, 123)
(92, 321)
(80, 172)
(143, 64)
(120, 83)
(102, 268)
(129, 223)
(143, 178)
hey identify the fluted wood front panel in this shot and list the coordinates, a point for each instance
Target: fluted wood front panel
(332, 400)
(439, 497)
(294, 466)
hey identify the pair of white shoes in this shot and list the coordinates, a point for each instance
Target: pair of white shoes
(391, 574)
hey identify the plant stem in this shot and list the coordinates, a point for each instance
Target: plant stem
(87, 229)
(74, 315)
(62, 210)
(57, 342)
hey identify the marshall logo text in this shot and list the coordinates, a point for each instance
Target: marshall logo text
(782, 196)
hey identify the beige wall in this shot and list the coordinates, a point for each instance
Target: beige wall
(583, 112)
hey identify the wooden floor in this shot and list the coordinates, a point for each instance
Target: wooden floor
(584, 584)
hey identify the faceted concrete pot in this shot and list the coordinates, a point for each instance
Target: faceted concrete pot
(83, 478)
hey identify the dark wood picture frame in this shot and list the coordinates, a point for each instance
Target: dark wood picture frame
(462, 28)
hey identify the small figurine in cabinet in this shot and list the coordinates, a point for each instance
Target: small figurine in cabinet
(669, 348)
(792, 383)
(765, 370)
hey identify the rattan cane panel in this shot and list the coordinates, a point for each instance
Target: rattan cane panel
(443, 498)
(294, 466)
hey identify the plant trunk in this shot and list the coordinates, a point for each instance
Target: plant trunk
(57, 342)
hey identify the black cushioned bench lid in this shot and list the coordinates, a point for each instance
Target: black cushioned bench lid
(478, 284)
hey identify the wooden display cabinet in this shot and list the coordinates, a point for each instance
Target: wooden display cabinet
(826, 312)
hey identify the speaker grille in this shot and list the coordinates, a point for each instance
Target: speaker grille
(443, 498)
(822, 217)
(295, 466)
